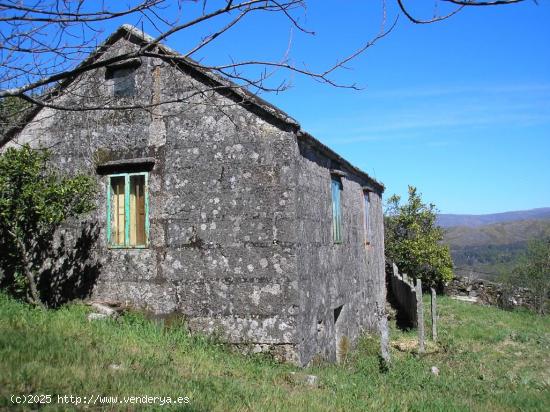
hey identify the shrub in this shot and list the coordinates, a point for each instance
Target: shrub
(35, 199)
(533, 273)
(412, 240)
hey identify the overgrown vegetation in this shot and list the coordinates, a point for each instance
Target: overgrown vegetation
(12, 112)
(412, 240)
(35, 199)
(488, 360)
(533, 273)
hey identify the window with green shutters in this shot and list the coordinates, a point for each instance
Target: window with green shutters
(366, 197)
(336, 185)
(128, 210)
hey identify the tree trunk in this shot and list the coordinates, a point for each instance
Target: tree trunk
(32, 286)
(27, 270)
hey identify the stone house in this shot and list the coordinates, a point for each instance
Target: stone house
(214, 204)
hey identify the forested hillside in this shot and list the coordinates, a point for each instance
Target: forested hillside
(489, 251)
(451, 220)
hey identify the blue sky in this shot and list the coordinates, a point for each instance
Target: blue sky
(459, 109)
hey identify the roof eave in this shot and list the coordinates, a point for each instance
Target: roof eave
(325, 150)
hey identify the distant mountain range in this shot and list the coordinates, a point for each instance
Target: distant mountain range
(489, 246)
(449, 220)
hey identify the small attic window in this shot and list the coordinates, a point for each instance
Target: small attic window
(123, 77)
(124, 82)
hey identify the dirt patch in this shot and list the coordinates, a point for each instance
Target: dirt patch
(410, 345)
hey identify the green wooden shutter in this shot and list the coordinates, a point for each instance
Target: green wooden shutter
(336, 185)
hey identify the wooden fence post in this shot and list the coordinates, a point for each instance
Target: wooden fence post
(420, 316)
(434, 314)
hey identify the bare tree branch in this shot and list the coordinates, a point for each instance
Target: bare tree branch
(40, 15)
(44, 45)
(461, 3)
(418, 21)
(484, 3)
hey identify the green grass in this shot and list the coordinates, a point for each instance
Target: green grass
(489, 360)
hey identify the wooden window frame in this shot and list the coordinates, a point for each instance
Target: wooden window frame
(336, 200)
(127, 244)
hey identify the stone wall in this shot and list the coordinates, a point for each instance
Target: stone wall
(341, 285)
(489, 293)
(222, 208)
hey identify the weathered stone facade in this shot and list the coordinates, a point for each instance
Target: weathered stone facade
(240, 211)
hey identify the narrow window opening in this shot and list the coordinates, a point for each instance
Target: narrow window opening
(337, 312)
(336, 188)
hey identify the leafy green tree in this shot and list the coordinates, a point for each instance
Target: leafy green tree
(533, 273)
(35, 199)
(12, 111)
(413, 240)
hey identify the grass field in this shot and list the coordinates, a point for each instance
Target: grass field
(489, 360)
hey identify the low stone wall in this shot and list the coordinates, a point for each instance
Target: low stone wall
(489, 293)
(403, 293)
